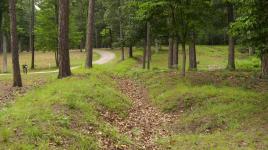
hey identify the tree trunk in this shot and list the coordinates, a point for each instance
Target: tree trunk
(4, 54)
(144, 52)
(14, 45)
(231, 55)
(57, 39)
(121, 33)
(130, 51)
(251, 51)
(1, 33)
(148, 45)
(183, 70)
(64, 58)
(20, 48)
(8, 38)
(192, 53)
(175, 53)
(121, 42)
(170, 52)
(111, 38)
(90, 34)
(264, 64)
(32, 48)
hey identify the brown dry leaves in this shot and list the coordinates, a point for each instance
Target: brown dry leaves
(144, 123)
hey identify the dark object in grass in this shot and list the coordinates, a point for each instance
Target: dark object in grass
(25, 68)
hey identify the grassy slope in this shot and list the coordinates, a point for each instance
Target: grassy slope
(215, 114)
(219, 110)
(64, 113)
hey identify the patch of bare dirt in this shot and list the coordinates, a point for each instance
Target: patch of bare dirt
(144, 123)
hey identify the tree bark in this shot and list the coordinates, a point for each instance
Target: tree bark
(90, 34)
(1, 33)
(121, 42)
(4, 54)
(57, 39)
(111, 38)
(148, 45)
(264, 64)
(231, 55)
(14, 45)
(251, 51)
(183, 70)
(144, 52)
(175, 53)
(170, 52)
(130, 51)
(8, 37)
(192, 53)
(121, 33)
(64, 58)
(32, 48)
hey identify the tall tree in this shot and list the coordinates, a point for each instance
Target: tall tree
(231, 54)
(175, 53)
(32, 48)
(64, 58)
(14, 45)
(251, 28)
(148, 45)
(90, 33)
(192, 52)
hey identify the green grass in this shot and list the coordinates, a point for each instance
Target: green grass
(218, 110)
(64, 114)
(46, 60)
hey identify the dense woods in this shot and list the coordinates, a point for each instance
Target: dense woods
(127, 24)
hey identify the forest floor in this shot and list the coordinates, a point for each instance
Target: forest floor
(121, 106)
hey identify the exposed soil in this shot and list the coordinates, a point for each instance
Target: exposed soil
(144, 123)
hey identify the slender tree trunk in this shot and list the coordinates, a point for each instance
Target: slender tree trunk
(4, 54)
(130, 51)
(192, 53)
(264, 62)
(97, 39)
(20, 48)
(111, 38)
(231, 55)
(251, 51)
(8, 37)
(183, 70)
(81, 45)
(1, 33)
(57, 39)
(175, 53)
(14, 45)
(121, 42)
(148, 45)
(64, 58)
(121, 33)
(170, 52)
(90, 34)
(144, 52)
(32, 48)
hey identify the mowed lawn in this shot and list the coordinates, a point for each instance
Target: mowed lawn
(46, 60)
(209, 57)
